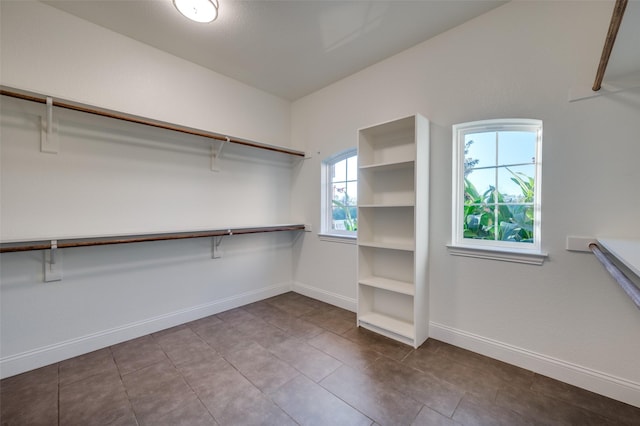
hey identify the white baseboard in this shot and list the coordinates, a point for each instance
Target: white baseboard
(39, 357)
(586, 378)
(326, 296)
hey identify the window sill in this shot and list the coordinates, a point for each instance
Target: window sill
(502, 255)
(337, 238)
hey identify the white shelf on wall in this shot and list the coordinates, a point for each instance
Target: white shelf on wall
(393, 187)
(626, 251)
(123, 116)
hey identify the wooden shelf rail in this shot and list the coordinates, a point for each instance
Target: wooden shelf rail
(614, 26)
(34, 97)
(630, 288)
(127, 239)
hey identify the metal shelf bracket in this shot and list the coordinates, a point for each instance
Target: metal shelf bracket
(215, 246)
(49, 131)
(53, 263)
(216, 153)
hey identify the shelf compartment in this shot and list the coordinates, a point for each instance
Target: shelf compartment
(388, 326)
(389, 225)
(388, 143)
(386, 186)
(386, 303)
(390, 285)
(381, 263)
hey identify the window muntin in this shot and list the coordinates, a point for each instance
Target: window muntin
(497, 184)
(340, 199)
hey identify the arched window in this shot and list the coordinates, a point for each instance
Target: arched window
(340, 194)
(496, 179)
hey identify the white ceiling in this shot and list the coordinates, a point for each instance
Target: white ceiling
(288, 48)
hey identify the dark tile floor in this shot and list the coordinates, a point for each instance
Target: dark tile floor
(293, 360)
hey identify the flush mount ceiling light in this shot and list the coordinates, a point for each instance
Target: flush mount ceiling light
(198, 10)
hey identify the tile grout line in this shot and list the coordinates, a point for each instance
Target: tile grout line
(276, 403)
(113, 358)
(186, 381)
(453, 413)
(346, 402)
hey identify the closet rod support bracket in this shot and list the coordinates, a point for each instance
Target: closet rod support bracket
(216, 153)
(53, 263)
(49, 130)
(215, 247)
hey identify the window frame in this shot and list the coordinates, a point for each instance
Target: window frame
(327, 196)
(474, 247)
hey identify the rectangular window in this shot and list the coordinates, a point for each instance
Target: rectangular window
(496, 193)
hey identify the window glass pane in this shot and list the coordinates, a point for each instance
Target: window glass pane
(516, 147)
(344, 219)
(337, 218)
(339, 171)
(478, 222)
(480, 150)
(518, 227)
(516, 184)
(338, 191)
(352, 168)
(478, 182)
(352, 194)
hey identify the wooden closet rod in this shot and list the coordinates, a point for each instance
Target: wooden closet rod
(614, 26)
(28, 96)
(126, 239)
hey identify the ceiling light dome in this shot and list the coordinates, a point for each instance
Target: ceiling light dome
(198, 10)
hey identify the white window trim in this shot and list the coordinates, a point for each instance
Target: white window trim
(491, 249)
(338, 238)
(495, 254)
(326, 233)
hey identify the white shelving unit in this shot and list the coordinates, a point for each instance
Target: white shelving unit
(393, 209)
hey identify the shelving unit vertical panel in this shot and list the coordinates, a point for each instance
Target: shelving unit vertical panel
(421, 299)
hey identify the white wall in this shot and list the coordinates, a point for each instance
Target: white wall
(567, 318)
(54, 53)
(111, 177)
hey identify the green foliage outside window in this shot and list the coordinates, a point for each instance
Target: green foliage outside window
(348, 214)
(488, 216)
